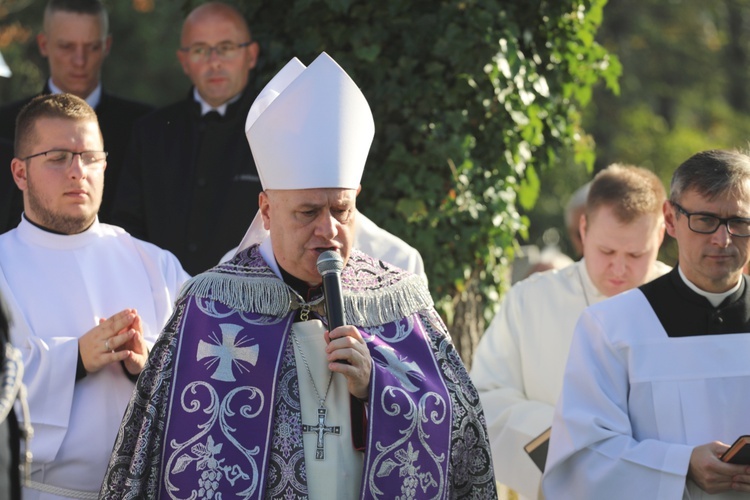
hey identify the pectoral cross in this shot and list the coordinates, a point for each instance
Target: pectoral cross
(321, 430)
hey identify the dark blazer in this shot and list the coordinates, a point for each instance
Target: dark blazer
(116, 117)
(189, 183)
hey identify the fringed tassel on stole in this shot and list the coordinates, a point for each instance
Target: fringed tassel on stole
(271, 296)
(268, 296)
(385, 305)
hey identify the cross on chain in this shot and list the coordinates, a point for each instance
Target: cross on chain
(321, 430)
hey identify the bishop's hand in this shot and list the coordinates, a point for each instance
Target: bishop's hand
(345, 343)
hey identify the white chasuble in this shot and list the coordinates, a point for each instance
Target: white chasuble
(339, 474)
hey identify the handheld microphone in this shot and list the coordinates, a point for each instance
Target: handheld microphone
(330, 264)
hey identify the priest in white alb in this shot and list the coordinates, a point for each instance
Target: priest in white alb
(520, 359)
(657, 382)
(248, 395)
(86, 299)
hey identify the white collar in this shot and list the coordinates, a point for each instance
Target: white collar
(714, 298)
(205, 107)
(93, 99)
(37, 236)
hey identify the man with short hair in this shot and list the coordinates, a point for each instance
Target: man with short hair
(248, 394)
(75, 40)
(656, 384)
(190, 181)
(521, 357)
(86, 298)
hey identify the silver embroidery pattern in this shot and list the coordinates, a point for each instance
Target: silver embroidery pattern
(287, 474)
(396, 461)
(203, 454)
(403, 330)
(400, 368)
(470, 465)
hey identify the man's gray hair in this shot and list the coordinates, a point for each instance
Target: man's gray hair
(712, 174)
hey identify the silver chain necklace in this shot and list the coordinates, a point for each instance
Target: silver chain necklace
(320, 428)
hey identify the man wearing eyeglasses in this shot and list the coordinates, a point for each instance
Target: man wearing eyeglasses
(520, 360)
(87, 299)
(657, 382)
(75, 41)
(190, 183)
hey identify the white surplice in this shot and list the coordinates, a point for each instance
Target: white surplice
(519, 364)
(58, 287)
(636, 402)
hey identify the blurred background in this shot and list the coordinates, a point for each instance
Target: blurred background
(560, 90)
(683, 86)
(683, 89)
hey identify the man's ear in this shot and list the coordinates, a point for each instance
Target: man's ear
(265, 210)
(18, 169)
(669, 218)
(183, 58)
(107, 45)
(254, 50)
(41, 42)
(359, 189)
(582, 227)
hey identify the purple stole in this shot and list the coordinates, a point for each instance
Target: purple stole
(226, 406)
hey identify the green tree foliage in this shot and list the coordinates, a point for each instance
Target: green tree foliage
(684, 82)
(683, 90)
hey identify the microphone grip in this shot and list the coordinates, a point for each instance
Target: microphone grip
(334, 303)
(334, 300)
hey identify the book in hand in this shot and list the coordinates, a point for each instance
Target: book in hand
(537, 448)
(739, 452)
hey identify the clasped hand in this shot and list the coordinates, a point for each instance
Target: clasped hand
(345, 343)
(115, 339)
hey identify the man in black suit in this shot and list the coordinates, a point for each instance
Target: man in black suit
(189, 183)
(75, 41)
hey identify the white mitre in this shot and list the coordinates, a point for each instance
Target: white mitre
(308, 128)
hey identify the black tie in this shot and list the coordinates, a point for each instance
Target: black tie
(212, 116)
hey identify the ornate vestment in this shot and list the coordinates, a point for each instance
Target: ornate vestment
(218, 408)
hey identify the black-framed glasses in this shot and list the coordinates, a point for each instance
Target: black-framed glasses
(61, 159)
(703, 223)
(226, 51)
